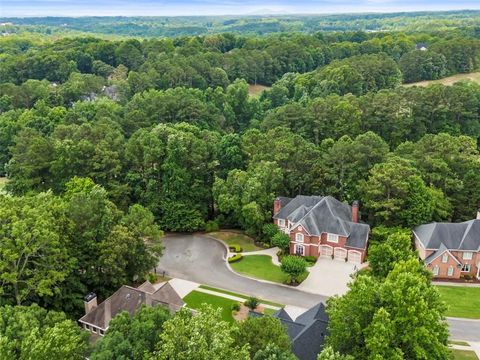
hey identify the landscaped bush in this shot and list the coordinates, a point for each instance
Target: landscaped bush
(251, 303)
(151, 278)
(268, 232)
(235, 258)
(310, 259)
(281, 240)
(236, 307)
(212, 225)
(235, 248)
(294, 266)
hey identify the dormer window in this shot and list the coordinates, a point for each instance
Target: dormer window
(333, 238)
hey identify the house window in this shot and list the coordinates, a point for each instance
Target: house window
(299, 237)
(94, 329)
(445, 258)
(467, 255)
(333, 238)
(281, 222)
(436, 270)
(299, 250)
(102, 332)
(466, 267)
(450, 271)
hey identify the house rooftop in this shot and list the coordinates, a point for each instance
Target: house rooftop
(130, 299)
(464, 236)
(325, 214)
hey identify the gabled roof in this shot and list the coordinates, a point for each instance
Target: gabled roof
(464, 236)
(130, 299)
(438, 253)
(325, 214)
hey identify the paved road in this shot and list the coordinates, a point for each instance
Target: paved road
(201, 259)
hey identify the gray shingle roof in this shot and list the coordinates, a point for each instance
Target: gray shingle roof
(325, 214)
(307, 332)
(463, 236)
(131, 299)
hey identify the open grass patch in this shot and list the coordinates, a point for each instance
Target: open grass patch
(195, 299)
(456, 342)
(256, 90)
(233, 238)
(463, 355)
(226, 292)
(449, 80)
(462, 301)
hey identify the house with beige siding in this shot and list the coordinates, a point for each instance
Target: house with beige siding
(450, 250)
(322, 226)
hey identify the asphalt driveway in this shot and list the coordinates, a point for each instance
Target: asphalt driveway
(201, 259)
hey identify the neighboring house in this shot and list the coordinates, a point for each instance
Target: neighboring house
(322, 226)
(307, 331)
(130, 299)
(421, 46)
(450, 250)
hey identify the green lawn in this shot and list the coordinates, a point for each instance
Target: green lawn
(196, 298)
(261, 267)
(462, 301)
(238, 295)
(463, 355)
(231, 238)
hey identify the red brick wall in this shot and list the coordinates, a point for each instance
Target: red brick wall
(443, 267)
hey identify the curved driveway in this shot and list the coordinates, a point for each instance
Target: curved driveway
(201, 259)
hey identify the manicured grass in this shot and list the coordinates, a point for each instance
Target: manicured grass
(195, 299)
(231, 238)
(450, 80)
(268, 311)
(463, 355)
(462, 301)
(260, 267)
(456, 342)
(238, 295)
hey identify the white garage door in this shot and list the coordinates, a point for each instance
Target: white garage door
(354, 257)
(340, 254)
(326, 250)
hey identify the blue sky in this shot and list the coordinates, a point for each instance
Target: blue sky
(218, 7)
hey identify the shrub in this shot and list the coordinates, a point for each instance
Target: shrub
(281, 240)
(294, 266)
(212, 225)
(310, 259)
(235, 306)
(151, 278)
(235, 248)
(251, 303)
(235, 258)
(268, 232)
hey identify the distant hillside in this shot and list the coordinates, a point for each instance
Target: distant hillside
(253, 24)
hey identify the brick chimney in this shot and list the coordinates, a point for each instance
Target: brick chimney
(355, 211)
(90, 302)
(277, 205)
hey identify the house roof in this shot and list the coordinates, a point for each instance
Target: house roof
(464, 236)
(130, 299)
(325, 214)
(307, 332)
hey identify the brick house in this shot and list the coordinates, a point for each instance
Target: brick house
(450, 250)
(322, 226)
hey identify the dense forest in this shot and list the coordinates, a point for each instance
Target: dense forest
(108, 143)
(145, 26)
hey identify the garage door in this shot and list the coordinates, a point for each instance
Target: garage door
(326, 250)
(340, 254)
(354, 257)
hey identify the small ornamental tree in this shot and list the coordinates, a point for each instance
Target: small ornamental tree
(281, 240)
(251, 303)
(294, 266)
(268, 232)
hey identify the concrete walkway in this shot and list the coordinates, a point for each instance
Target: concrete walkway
(232, 297)
(272, 252)
(183, 287)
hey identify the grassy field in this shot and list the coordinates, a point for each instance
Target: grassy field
(238, 295)
(256, 90)
(450, 80)
(195, 299)
(462, 301)
(230, 238)
(463, 355)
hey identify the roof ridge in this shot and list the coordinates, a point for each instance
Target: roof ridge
(309, 211)
(467, 230)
